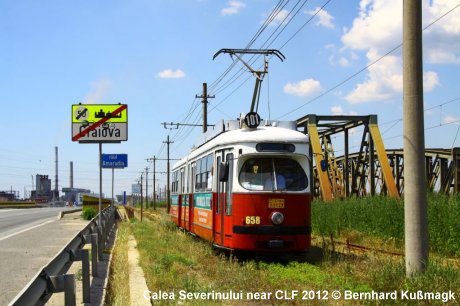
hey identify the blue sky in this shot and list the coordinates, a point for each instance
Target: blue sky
(154, 56)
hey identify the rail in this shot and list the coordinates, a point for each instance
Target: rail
(52, 278)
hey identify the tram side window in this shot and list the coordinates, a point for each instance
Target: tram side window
(174, 181)
(229, 186)
(192, 178)
(209, 162)
(182, 178)
(198, 175)
(187, 181)
(203, 173)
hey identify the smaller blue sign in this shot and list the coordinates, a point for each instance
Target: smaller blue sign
(114, 160)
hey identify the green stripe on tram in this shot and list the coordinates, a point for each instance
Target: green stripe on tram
(202, 200)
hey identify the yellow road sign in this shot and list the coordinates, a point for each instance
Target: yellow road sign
(91, 113)
(99, 122)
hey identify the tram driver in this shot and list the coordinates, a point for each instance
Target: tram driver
(251, 177)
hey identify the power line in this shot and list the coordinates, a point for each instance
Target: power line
(238, 74)
(339, 84)
(363, 69)
(307, 22)
(425, 110)
(288, 22)
(183, 132)
(253, 58)
(262, 28)
(426, 129)
(455, 138)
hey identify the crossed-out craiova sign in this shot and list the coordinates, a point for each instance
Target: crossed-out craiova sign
(99, 122)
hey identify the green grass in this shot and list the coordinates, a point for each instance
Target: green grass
(88, 213)
(118, 285)
(173, 260)
(383, 218)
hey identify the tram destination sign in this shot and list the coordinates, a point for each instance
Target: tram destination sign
(96, 123)
(117, 161)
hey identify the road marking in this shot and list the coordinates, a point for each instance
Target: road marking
(5, 210)
(25, 230)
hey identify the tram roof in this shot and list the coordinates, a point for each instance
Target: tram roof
(281, 132)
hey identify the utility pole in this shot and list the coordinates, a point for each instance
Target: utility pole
(415, 203)
(159, 192)
(168, 191)
(56, 187)
(142, 196)
(154, 159)
(146, 187)
(154, 191)
(205, 98)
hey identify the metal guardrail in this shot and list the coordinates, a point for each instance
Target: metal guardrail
(52, 278)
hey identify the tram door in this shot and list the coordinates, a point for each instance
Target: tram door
(223, 211)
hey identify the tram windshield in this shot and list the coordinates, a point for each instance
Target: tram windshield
(272, 173)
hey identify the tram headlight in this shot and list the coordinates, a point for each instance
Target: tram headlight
(277, 217)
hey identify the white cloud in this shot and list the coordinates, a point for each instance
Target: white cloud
(302, 88)
(442, 56)
(430, 80)
(384, 80)
(375, 33)
(374, 28)
(98, 92)
(337, 110)
(280, 17)
(344, 62)
(233, 7)
(442, 40)
(450, 119)
(324, 18)
(171, 74)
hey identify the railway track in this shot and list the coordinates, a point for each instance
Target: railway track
(348, 247)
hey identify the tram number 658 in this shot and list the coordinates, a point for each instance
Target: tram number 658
(252, 220)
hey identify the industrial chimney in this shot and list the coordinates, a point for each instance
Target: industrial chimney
(56, 189)
(71, 174)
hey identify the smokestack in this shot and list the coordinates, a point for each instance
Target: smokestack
(56, 189)
(71, 174)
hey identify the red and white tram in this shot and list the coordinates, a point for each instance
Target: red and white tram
(246, 188)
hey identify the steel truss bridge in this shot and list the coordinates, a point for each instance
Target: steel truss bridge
(373, 169)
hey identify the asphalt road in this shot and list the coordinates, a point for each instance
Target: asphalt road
(29, 239)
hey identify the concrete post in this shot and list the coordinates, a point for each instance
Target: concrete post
(415, 203)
